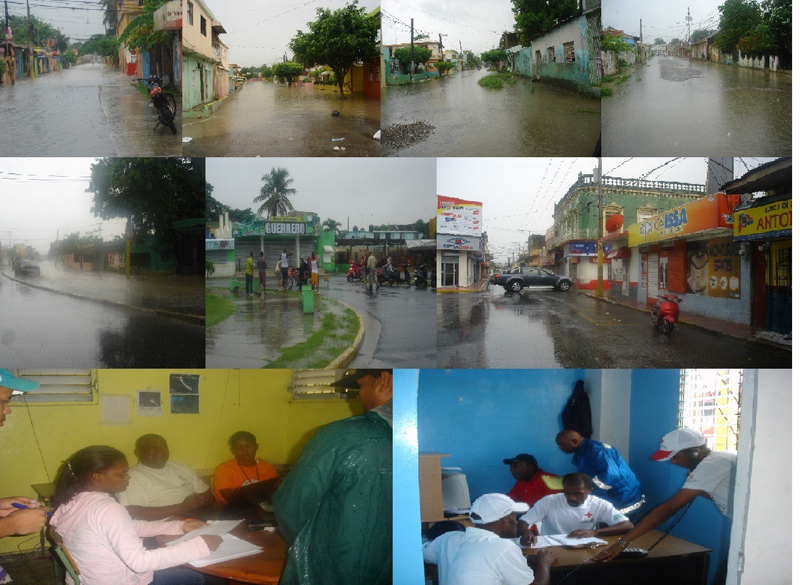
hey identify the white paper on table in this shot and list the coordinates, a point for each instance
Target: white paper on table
(562, 540)
(231, 548)
(214, 528)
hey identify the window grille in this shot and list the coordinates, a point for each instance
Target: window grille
(317, 384)
(710, 402)
(190, 12)
(569, 52)
(58, 386)
(551, 54)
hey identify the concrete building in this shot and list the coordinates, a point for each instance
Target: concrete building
(461, 243)
(204, 56)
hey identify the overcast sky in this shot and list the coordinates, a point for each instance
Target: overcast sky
(518, 194)
(41, 199)
(478, 24)
(660, 18)
(78, 19)
(365, 190)
(258, 31)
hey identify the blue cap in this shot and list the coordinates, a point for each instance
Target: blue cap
(10, 381)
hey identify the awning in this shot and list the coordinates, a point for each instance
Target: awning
(618, 253)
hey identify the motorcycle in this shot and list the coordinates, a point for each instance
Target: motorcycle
(355, 273)
(665, 313)
(406, 277)
(388, 275)
(421, 276)
(163, 103)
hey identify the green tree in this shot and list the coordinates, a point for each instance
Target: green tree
(338, 39)
(494, 57)
(444, 66)
(105, 46)
(659, 41)
(151, 193)
(275, 193)
(472, 59)
(758, 42)
(331, 225)
(266, 72)
(110, 16)
(738, 18)
(778, 16)
(43, 32)
(421, 226)
(421, 55)
(287, 71)
(140, 32)
(614, 43)
(532, 18)
(675, 41)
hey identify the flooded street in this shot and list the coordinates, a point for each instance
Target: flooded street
(474, 121)
(268, 119)
(87, 110)
(697, 108)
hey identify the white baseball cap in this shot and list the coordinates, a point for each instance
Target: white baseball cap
(678, 440)
(493, 507)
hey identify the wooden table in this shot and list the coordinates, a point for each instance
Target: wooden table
(674, 561)
(261, 569)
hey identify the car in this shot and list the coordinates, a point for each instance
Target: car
(26, 268)
(528, 276)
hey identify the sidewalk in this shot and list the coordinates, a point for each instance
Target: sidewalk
(738, 330)
(479, 286)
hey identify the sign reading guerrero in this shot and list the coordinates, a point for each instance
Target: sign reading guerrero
(773, 220)
(713, 212)
(457, 216)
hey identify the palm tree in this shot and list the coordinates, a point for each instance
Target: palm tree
(110, 15)
(275, 193)
(332, 224)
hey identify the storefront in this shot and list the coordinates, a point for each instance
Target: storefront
(300, 235)
(580, 264)
(689, 251)
(459, 259)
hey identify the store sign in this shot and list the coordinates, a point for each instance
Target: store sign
(461, 243)
(169, 16)
(767, 221)
(457, 216)
(280, 228)
(220, 244)
(277, 227)
(713, 268)
(585, 248)
(709, 213)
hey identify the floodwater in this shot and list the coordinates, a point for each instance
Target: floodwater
(513, 121)
(87, 110)
(675, 106)
(268, 119)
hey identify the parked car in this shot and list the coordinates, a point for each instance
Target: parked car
(26, 268)
(527, 276)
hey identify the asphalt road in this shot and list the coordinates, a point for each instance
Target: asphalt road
(542, 328)
(399, 323)
(39, 328)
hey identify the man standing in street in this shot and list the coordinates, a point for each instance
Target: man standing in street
(612, 478)
(372, 274)
(530, 486)
(261, 264)
(248, 275)
(335, 506)
(285, 268)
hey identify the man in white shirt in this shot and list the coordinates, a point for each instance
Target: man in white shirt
(575, 512)
(485, 553)
(711, 476)
(160, 488)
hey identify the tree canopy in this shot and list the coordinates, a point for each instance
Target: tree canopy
(737, 19)
(533, 18)
(275, 192)
(43, 32)
(699, 34)
(287, 71)
(141, 33)
(421, 55)
(494, 57)
(338, 39)
(659, 41)
(103, 45)
(151, 193)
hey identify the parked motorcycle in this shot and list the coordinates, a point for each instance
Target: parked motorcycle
(421, 276)
(665, 313)
(405, 276)
(355, 273)
(388, 275)
(164, 104)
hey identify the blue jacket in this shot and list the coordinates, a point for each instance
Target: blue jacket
(613, 479)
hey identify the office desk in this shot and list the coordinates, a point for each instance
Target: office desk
(674, 561)
(261, 569)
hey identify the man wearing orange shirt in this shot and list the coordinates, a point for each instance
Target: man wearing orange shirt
(244, 469)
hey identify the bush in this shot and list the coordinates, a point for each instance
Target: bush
(491, 81)
(614, 43)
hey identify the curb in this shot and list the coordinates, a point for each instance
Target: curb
(349, 354)
(483, 288)
(197, 319)
(693, 324)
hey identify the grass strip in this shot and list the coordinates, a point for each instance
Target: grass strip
(217, 309)
(339, 334)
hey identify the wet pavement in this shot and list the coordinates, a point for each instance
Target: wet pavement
(40, 328)
(86, 110)
(548, 329)
(474, 121)
(399, 323)
(268, 119)
(262, 326)
(675, 106)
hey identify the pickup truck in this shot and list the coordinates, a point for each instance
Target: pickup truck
(527, 276)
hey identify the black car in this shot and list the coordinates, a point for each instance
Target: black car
(26, 268)
(526, 276)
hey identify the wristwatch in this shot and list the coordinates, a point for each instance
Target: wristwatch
(624, 543)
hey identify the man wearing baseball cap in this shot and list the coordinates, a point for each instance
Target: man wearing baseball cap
(15, 521)
(711, 476)
(485, 554)
(530, 486)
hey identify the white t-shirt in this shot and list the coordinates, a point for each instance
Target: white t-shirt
(314, 268)
(284, 260)
(478, 557)
(160, 487)
(558, 517)
(714, 476)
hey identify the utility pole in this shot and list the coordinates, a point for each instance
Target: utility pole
(599, 290)
(689, 24)
(641, 40)
(412, 51)
(30, 40)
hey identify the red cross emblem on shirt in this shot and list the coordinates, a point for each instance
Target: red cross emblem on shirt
(588, 514)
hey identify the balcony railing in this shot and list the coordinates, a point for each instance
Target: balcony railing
(565, 235)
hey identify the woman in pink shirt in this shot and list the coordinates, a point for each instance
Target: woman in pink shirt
(105, 543)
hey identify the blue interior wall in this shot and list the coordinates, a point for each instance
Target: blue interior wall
(480, 417)
(654, 412)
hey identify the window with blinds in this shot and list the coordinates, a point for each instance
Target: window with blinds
(317, 385)
(710, 402)
(58, 386)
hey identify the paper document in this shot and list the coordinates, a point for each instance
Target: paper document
(231, 548)
(214, 528)
(562, 540)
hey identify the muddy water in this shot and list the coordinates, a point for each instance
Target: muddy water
(674, 106)
(87, 110)
(267, 119)
(513, 121)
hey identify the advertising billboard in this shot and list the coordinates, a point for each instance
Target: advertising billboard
(773, 220)
(458, 216)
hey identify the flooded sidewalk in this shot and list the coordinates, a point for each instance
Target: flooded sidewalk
(268, 119)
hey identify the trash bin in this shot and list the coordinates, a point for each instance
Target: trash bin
(308, 300)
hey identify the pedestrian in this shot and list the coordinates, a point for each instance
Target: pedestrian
(314, 273)
(372, 271)
(278, 275)
(261, 264)
(248, 275)
(285, 267)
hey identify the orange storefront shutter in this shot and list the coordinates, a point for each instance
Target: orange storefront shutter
(676, 269)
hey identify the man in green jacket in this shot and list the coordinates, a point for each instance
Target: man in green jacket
(335, 506)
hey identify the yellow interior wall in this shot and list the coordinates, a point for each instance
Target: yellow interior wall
(37, 438)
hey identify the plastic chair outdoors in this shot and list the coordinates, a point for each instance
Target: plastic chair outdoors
(64, 556)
